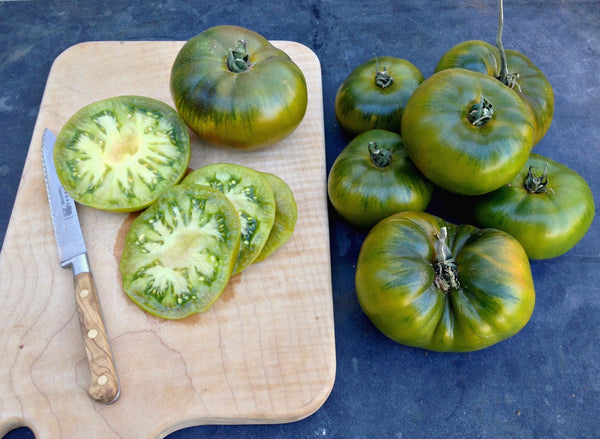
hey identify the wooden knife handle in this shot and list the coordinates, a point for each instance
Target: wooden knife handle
(104, 386)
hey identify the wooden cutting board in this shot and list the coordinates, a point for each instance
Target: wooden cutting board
(264, 353)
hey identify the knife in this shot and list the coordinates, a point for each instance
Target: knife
(104, 386)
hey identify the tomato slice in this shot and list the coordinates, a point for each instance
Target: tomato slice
(121, 153)
(180, 252)
(253, 197)
(286, 215)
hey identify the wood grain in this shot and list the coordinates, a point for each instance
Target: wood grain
(264, 353)
(104, 382)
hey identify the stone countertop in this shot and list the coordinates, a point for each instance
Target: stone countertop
(544, 381)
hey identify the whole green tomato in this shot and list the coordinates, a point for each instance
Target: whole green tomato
(467, 132)
(427, 283)
(523, 76)
(547, 207)
(373, 178)
(233, 87)
(371, 97)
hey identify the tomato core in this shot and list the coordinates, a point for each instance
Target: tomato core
(126, 145)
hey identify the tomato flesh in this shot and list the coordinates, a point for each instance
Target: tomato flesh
(122, 153)
(253, 198)
(181, 251)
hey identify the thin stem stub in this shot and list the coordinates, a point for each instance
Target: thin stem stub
(238, 58)
(446, 272)
(383, 79)
(380, 156)
(481, 112)
(535, 184)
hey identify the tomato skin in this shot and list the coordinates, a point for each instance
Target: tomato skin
(361, 104)
(364, 193)
(247, 110)
(547, 224)
(534, 88)
(452, 152)
(395, 286)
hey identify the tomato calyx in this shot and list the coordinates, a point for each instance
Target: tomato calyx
(381, 156)
(535, 184)
(481, 112)
(382, 78)
(238, 58)
(446, 272)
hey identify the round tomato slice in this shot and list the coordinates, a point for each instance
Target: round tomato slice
(252, 196)
(121, 153)
(180, 252)
(548, 207)
(286, 215)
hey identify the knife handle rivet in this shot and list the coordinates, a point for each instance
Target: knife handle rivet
(84, 293)
(102, 380)
(92, 333)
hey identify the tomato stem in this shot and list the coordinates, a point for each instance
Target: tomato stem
(446, 272)
(238, 58)
(481, 112)
(382, 78)
(508, 79)
(380, 156)
(535, 184)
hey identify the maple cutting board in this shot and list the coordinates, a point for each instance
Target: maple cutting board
(264, 353)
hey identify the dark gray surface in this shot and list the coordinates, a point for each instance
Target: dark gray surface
(542, 383)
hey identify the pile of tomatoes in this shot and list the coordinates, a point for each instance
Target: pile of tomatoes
(468, 129)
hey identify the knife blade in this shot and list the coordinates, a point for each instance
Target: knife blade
(104, 386)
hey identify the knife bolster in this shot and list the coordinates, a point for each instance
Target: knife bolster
(79, 264)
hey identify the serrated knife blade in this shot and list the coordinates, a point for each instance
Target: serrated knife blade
(104, 385)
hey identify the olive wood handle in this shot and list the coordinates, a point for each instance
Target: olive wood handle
(104, 386)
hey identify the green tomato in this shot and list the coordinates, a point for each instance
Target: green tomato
(524, 77)
(233, 87)
(180, 252)
(371, 97)
(253, 197)
(427, 283)
(467, 132)
(373, 178)
(548, 207)
(121, 153)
